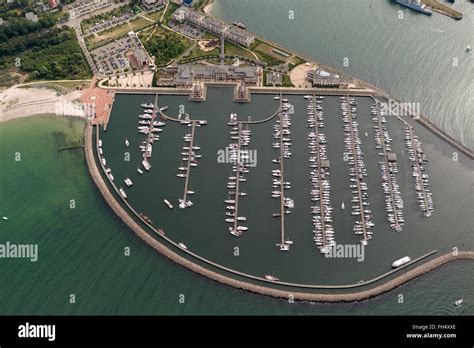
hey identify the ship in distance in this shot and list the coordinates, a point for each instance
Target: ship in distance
(416, 5)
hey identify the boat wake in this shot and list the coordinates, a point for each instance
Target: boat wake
(435, 30)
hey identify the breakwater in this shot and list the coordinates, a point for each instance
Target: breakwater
(309, 296)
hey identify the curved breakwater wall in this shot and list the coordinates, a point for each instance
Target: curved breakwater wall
(306, 296)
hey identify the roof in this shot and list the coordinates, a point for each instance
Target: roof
(140, 54)
(31, 16)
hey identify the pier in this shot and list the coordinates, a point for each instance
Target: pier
(323, 231)
(184, 201)
(397, 225)
(150, 136)
(414, 148)
(165, 246)
(237, 181)
(280, 130)
(358, 169)
(282, 187)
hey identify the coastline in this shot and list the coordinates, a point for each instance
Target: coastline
(208, 7)
(318, 297)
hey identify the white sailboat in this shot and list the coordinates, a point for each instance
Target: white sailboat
(342, 205)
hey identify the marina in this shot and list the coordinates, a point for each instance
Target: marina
(312, 117)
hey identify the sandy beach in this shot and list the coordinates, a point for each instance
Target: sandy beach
(208, 7)
(16, 102)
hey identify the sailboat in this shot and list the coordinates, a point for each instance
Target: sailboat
(366, 135)
(127, 142)
(342, 205)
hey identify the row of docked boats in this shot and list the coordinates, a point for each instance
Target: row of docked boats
(189, 157)
(321, 209)
(418, 160)
(282, 143)
(388, 170)
(357, 170)
(238, 156)
(149, 125)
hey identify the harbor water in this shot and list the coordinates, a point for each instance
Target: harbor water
(51, 201)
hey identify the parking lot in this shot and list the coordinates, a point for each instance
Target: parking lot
(111, 58)
(187, 30)
(110, 23)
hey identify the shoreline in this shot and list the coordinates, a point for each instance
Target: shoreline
(223, 279)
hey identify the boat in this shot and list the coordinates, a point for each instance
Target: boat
(146, 218)
(468, 48)
(400, 262)
(122, 193)
(128, 182)
(416, 5)
(168, 203)
(127, 143)
(139, 170)
(147, 105)
(4, 218)
(342, 205)
(459, 302)
(239, 25)
(183, 246)
(270, 277)
(146, 165)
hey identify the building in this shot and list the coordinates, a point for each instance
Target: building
(153, 5)
(138, 59)
(201, 21)
(52, 4)
(31, 16)
(186, 74)
(274, 78)
(188, 2)
(324, 79)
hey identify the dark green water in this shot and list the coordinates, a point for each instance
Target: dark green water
(81, 250)
(203, 229)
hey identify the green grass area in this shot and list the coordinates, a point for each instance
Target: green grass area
(197, 52)
(286, 82)
(169, 12)
(270, 60)
(234, 50)
(166, 45)
(297, 60)
(107, 36)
